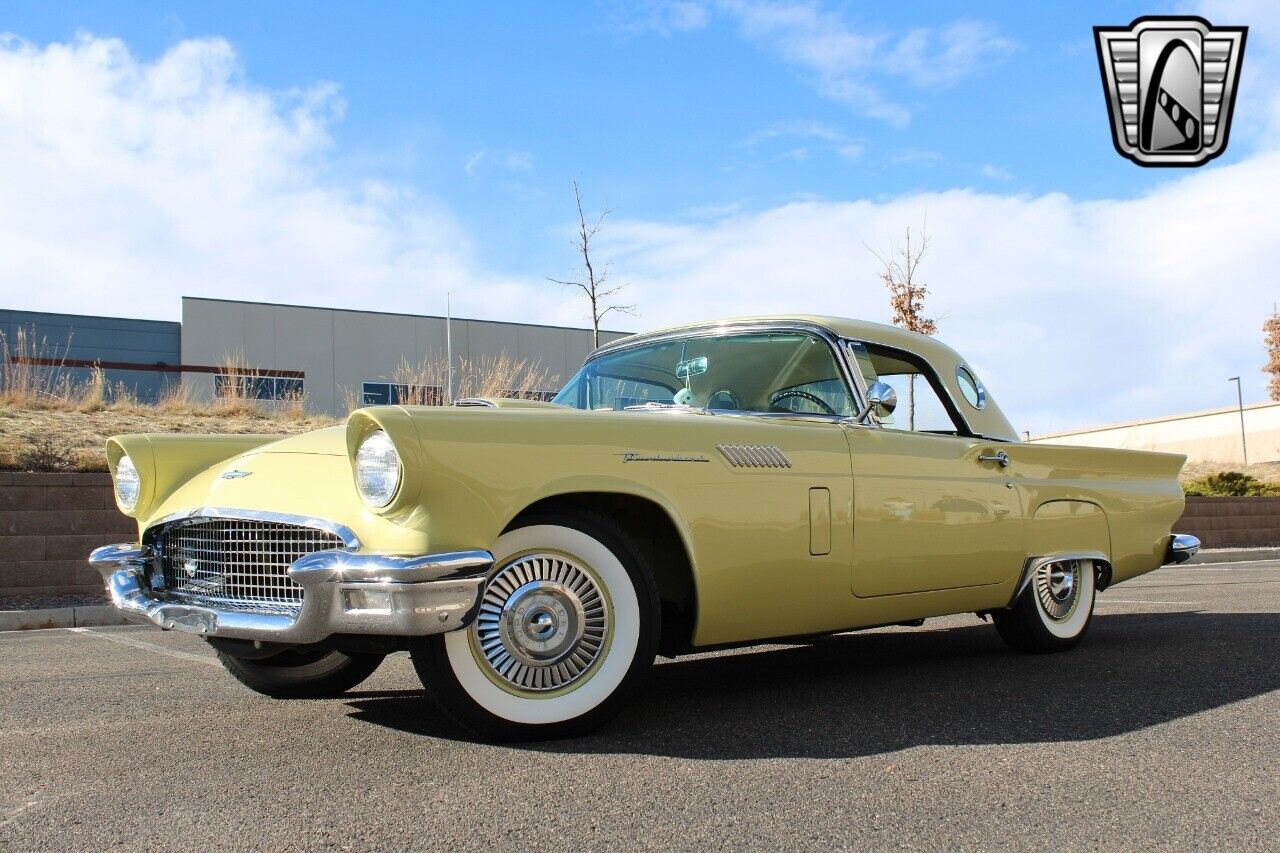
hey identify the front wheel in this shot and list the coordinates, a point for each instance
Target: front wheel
(568, 626)
(1054, 610)
(302, 674)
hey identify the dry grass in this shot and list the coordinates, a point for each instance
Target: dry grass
(49, 421)
(81, 436)
(1267, 472)
(488, 376)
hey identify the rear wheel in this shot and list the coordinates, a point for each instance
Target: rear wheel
(568, 627)
(302, 674)
(1054, 610)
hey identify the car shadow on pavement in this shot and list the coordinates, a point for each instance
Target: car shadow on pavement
(863, 694)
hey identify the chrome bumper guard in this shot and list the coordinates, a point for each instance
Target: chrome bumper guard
(344, 592)
(1182, 547)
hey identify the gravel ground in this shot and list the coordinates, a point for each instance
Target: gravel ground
(1157, 733)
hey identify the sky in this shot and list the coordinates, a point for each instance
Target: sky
(751, 153)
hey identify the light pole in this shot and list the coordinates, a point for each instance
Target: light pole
(1244, 447)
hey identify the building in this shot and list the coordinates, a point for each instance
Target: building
(326, 356)
(332, 354)
(144, 356)
(1209, 436)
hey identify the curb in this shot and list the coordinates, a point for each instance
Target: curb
(90, 616)
(1232, 555)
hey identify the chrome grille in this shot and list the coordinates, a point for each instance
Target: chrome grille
(240, 563)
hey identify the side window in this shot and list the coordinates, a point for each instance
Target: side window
(615, 392)
(922, 401)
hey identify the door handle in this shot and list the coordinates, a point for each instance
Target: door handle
(1001, 458)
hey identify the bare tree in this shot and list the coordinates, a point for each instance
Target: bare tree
(1271, 329)
(906, 298)
(595, 286)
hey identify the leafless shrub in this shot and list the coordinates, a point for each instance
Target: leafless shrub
(906, 298)
(46, 453)
(1271, 328)
(593, 282)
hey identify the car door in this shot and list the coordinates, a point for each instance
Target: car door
(929, 514)
(933, 505)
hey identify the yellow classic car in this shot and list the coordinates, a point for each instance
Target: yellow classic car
(706, 486)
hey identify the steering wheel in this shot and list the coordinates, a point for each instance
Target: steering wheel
(779, 396)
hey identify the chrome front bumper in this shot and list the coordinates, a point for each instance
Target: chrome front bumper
(344, 592)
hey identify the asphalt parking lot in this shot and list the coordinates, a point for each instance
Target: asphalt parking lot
(1161, 731)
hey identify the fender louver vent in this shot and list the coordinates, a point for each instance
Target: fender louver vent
(754, 456)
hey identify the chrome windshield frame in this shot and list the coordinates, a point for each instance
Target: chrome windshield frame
(835, 345)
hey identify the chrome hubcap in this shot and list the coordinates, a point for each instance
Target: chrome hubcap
(542, 624)
(1056, 588)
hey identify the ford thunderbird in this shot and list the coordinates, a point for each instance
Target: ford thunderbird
(711, 485)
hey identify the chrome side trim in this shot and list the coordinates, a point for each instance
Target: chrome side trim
(343, 532)
(1102, 566)
(1182, 547)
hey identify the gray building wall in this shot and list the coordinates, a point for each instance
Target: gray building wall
(101, 339)
(338, 350)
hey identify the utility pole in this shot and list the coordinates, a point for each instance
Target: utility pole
(448, 347)
(1244, 447)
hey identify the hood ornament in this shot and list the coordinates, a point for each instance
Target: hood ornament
(234, 474)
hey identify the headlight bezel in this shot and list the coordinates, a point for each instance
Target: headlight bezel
(123, 477)
(373, 453)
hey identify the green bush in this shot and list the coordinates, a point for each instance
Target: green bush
(1231, 484)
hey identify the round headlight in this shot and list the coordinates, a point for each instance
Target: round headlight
(377, 469)
(127, 483)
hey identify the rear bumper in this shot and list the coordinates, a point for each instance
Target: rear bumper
(1181, 547)
(344, 592)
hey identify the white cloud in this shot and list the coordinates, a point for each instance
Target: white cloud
(664, 17)
(996, 173)
(845, 62)
(833, 140)
(127, 183)
(1074, 311)
(511, 161)
(916, 157)
(943, 56)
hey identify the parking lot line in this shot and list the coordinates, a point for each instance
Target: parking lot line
(151, 647)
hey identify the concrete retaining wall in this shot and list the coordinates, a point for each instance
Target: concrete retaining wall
(48, 525)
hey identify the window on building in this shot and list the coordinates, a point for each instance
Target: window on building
(396, 393)
(544, 396)
(253, 386)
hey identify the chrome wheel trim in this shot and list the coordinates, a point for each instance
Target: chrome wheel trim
(1057, 589)
(542, 625)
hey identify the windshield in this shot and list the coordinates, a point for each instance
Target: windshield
(776, 372)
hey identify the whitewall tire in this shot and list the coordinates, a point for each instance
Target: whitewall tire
(568, 624)
(1054, 610)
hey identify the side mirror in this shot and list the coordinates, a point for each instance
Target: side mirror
(881, 401)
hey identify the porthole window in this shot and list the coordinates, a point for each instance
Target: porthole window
(970, 387)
